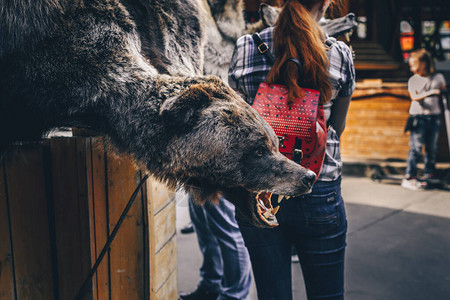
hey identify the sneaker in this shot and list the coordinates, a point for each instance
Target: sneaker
(189, 228)
(294, 255)
(199, 294)
(430, 178)
(413, 184)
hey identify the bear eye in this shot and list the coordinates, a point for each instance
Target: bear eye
(259, 152)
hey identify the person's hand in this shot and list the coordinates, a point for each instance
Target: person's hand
(436, 91)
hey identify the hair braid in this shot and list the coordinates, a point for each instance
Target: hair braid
(297, 35)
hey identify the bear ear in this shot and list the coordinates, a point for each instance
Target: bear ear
(269, 14)
(181, 112)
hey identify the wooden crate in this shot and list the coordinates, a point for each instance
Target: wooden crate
(59, 200)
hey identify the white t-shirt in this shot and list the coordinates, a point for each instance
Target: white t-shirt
(429, 105)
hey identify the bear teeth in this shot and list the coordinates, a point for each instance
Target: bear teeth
(280, 197)
(275, 210)
(268, 214)
(265, 209)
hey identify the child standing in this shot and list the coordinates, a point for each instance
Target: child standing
(424, 88)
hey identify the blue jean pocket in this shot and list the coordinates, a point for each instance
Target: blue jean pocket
(321, 212)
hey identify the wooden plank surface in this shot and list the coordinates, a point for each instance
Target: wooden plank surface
(169, 291)
(400, 93)
(162, 243)
(381, 134)
(29, 222)
(88, 189)
(158, 194)
(379, 115)
(375, 123)
(371, 66)
(82, 151)
(375, 128)
(127, 250)
(161, 228)
(147, 245)
(165, 264)
(164, 226)
(381, 105)
(368, 142)
(98, 214)
(71, 213)
(6, 259)
(91, 212)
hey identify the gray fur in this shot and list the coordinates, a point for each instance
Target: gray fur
(340, 26)
(131, 69)
(268, 17)
(225, 25)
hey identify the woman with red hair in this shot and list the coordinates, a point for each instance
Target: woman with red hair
(315, 223)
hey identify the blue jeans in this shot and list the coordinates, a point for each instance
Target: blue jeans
(226, 264)
(316, 225)
(425, 133)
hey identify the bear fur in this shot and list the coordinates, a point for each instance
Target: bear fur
(225, 24)
(131, 69)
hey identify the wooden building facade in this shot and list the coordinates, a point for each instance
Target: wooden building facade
(388, 31)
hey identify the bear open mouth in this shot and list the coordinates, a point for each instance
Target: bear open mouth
(265, 210)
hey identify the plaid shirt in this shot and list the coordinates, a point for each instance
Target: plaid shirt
(248, 68)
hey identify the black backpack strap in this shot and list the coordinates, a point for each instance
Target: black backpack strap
(329, 41)
(263, 48)
(299, 67)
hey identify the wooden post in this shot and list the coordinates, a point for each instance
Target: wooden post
(99, 215)
(127, 250)
(7, 286)
(29, 242)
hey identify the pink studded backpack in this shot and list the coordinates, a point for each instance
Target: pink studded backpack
(300, 126)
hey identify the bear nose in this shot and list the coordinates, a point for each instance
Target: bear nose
(309, 178)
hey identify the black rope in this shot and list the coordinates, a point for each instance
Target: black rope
(81, 291)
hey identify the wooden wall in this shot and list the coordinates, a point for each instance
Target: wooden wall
(375, 125)
(59, 200)
(163, 246)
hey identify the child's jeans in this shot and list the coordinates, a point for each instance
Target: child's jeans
(425, 133)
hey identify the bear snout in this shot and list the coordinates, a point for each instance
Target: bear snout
(309, 179)
(301, 183)
(283, 176)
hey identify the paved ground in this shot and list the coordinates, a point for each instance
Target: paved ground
(398, 244)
